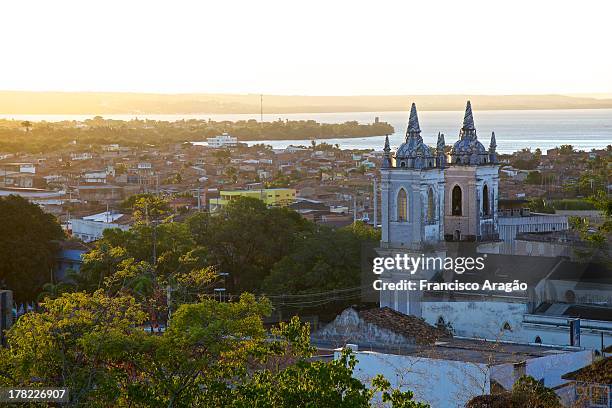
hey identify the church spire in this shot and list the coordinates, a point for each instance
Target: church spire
(492, 147)
(468, 129)
(414, 130)
(493, 143)
(386, 162)
(441, 155)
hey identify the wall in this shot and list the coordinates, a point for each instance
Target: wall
(89, 231)
(549, 368)
(479, 319)
(485, 320)
(440, 383)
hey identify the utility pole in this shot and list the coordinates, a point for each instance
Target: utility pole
(261, 108)
(354, 209)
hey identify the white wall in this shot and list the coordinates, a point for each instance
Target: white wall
(486, 319)
(440, 383)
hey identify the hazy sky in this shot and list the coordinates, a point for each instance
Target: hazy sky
(312, 47)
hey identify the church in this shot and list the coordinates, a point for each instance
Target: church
(429, 197)
(443, 202)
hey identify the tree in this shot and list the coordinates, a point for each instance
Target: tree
(213, 354)
(27, 125)
(526, 393)
(246, 238)
(316, 266)
(28, 247)
(64, 346)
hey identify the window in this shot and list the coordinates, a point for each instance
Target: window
(402, 205)
(431, 210)
(538, 340)
(456, 201)
(486, 207)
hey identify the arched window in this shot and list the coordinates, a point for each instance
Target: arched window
(486, 209)
(538, 340)
(456, 201)
(431, 207)
(402, 205)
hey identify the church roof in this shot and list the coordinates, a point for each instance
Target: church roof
(468, 150)
(413, 146)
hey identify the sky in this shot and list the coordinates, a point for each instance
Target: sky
(313, 47)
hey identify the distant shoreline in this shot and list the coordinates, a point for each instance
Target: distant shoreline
(5, 115)
(117, 103)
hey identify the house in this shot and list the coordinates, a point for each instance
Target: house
(69, 257)
(439, 369)
(81, 156)
(270, 196)
(91, 228)
(100, 193)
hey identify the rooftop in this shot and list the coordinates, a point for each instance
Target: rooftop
(473, 351)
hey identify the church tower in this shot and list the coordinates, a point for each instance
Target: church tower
(472, 182)
(412, 185)
(412, 196)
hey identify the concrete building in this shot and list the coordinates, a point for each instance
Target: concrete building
(271, 196)
(91, 228)
(441, 370)
(222, 141)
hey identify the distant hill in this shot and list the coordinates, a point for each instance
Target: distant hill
(18, 102)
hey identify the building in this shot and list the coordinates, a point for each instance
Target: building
(100, 193)
(439, 369)
(91, 228)
(222, 141)
(69, 257)
(441, 207)
(514, 219)
(274, 197)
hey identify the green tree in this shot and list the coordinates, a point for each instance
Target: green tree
(28, 247)
(246, 238)
(213, 354)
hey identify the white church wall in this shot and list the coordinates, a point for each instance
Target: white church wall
(478, 319)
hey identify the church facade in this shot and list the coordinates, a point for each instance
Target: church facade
(429, 196)
(432, 196)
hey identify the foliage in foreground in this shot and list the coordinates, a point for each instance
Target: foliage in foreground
(213, 354)
(527, 392)
(27, 246)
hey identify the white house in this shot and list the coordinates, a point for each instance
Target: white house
(91, 228)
